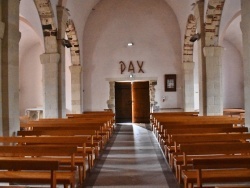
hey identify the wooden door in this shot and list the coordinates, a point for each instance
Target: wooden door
(141, 103)
(123, 102)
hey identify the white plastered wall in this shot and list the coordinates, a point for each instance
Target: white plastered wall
(154, 30)
(30, 69)
(232, 77)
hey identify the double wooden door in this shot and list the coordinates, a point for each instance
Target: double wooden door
(132, 102)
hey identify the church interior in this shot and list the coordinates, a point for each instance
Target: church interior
(125, 93)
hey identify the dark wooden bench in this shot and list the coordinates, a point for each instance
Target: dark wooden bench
(77, 141)
(93, 145)
(158, 115)
(219, 170)
(103, 128)
(176, 161)
(206, 151)
(195, 122)
(65, 176)
(26, 169)
(168, 142)
(162, 136)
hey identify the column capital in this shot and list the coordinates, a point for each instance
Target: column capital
(214, 51)
(50, 58)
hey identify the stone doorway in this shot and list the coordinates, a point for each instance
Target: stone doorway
(152, 83)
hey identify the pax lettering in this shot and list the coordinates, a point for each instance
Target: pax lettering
(131, 67)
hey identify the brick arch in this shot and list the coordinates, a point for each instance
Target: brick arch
(72, 37)
(213, 18)
(188, 46)
(46, 15)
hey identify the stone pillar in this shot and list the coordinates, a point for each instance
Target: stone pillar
(62, 18)
(2, 27)
(153, 103)
(245, 28)
(76, 88)
(199, 15)
(10, 66)
(214, 80)
(111, 101)
(188, 69)
(50, 83)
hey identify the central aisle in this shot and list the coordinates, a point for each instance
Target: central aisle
(132, 158)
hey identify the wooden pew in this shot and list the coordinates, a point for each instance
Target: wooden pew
(168, 134)
(26, 168)
(101, 126)
(106, 111)
(162, 135)
(176, 160)
(77, 141)
(233, 111)
(92, 150)
(222, 170)
(157, 116)
(100, 138)
(168, 141)
(65, 177)
(178, 139)
(108, 116)
(213, 128)
(197, 122)
(209, 150)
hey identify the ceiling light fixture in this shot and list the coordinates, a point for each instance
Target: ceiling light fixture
(130, 44)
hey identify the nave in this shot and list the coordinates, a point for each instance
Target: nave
(132, 158)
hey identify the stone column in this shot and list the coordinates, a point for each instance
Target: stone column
(76, 88)
(62, 18)
(188, 69)
(213, 57)
(245, 28)
(2, 27)
(10, 66)
(111, 101)
(153, 103)
(50, 80)
(199, 14)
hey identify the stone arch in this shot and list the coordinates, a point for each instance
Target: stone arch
(212, 20)
(75, 68)
(72, 37)
(46, 15)
(188, 46)
(53, 96)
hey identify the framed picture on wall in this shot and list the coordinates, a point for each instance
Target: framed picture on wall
(170, 82)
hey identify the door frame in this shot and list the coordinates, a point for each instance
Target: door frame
(152, 83)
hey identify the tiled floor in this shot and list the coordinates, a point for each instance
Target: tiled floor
(132, 159)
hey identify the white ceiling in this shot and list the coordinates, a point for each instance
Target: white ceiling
(80, 9)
